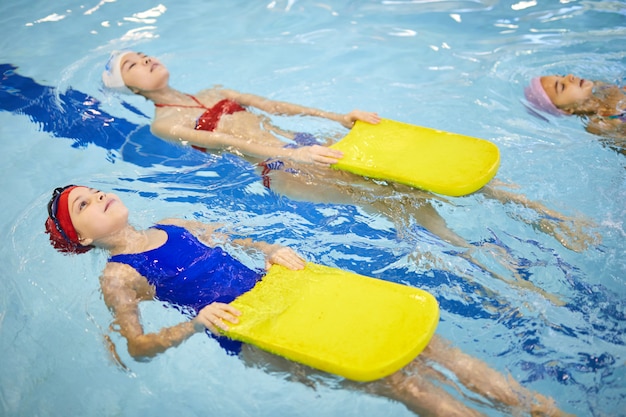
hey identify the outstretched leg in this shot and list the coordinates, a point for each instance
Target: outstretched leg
(414, 389)
(400, 204)
(487, 382)
(568, 231)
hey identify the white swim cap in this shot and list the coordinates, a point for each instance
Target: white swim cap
(112, 74)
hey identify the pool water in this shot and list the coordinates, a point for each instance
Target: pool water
(458, 66)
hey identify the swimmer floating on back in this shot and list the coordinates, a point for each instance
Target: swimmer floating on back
(602, 105)
(217, 119)
(297, 163)
(181, 263)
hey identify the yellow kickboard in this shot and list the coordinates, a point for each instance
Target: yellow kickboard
(340, 322)
(434, 160)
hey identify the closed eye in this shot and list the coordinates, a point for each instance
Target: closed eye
(559, 87)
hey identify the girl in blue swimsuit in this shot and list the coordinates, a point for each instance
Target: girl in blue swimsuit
(178, 262)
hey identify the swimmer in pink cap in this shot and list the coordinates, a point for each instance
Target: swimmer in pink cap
(537, 96)
(603, 105)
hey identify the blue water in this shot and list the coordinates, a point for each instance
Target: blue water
(454, 65)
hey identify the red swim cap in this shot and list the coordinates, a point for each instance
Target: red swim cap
(59, 225)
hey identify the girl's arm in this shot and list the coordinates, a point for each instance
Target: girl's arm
(174, 132)
(274, 254)
(290, 109)
(123, 289)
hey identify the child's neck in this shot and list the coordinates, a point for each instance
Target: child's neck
(166, 95)
(131, 240)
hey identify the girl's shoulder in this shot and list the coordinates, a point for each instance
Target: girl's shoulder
(122, 284)
(218, 93)
(173, 221)
(117, 275)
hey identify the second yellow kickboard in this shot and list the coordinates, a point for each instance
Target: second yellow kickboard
(434, 160)
(337, 321)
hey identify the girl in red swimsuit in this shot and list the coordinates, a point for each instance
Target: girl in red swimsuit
(217, 119)
(220, 120)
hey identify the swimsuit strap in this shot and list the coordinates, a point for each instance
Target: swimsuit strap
(621, 116)
(199, 106)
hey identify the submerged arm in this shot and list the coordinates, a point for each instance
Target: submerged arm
(273, 253)
(123, 289)
(235, 144)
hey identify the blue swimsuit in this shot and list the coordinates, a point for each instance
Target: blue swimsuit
(190, 275)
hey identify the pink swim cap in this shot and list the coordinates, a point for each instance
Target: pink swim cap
(537, 96)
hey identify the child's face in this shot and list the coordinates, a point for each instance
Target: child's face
(95, 215)
(567, 91)
(140, 71)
